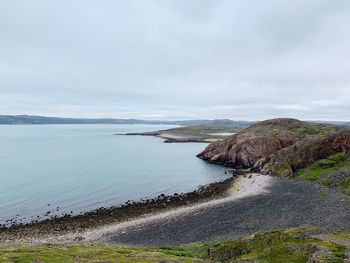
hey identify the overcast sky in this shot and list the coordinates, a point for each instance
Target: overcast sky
(178, 59)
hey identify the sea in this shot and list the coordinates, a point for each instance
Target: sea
(50, 170)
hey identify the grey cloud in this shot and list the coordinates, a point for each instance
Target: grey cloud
(176, 59)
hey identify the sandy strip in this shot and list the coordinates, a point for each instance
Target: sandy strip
(222, 133)
(244, 186)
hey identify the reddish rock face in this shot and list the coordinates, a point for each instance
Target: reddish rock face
(267, 143)
(244, 150)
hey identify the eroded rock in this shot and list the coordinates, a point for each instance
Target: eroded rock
(278, 146)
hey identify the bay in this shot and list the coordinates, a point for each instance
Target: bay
(63, 168)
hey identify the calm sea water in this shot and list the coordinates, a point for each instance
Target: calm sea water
(83, 167)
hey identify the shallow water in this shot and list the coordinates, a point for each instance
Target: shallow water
(82, 167)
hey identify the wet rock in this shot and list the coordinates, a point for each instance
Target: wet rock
(302, 236)
(312, 248)
(79, 238)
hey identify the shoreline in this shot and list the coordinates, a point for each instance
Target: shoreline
(281, 206)
(251, 203)
(76, 224)
(170, 138)
(246, 185)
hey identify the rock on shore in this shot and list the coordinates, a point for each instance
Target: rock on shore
(278, 146)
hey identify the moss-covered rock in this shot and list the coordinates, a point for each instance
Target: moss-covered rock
(332, 172)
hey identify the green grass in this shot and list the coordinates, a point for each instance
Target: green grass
(341, 234)
(86, 253)
(319, 171)
(274, 246)
(295, 245)
(194, 250)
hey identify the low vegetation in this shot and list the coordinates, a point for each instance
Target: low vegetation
(297, 245)
(87, 252)
(333, 172)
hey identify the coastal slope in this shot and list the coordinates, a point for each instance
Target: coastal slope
(279, 146)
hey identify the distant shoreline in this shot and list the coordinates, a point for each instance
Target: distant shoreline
(170, 138)
(195, 134)
(36, 120)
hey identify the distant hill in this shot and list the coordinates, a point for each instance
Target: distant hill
(339, 123)
(27, 119)
(343, 123)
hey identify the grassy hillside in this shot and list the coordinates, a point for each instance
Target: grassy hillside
(298, 245)
(333, 172)
(292, 127)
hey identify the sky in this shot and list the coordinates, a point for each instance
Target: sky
(176, 59)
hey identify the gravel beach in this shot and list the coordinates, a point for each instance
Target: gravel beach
(287, 204)
(254, 203)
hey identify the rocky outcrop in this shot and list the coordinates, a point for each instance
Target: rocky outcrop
(278, 146)
(299, 155)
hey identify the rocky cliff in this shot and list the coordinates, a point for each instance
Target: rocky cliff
(278, 146)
